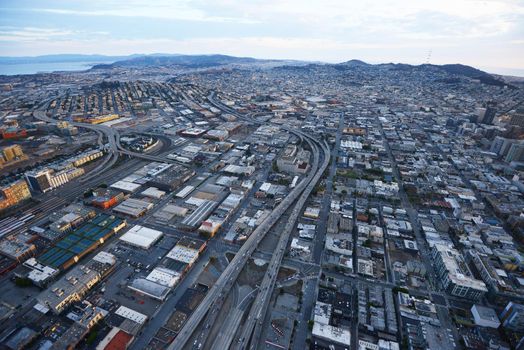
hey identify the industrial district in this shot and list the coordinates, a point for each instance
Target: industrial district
(262, 205)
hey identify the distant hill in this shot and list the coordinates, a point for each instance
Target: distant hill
(202, 61)
(453, 69)
(470, 72)
(354, 63)
(194, 61)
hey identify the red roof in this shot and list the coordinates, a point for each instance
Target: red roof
(119, 341)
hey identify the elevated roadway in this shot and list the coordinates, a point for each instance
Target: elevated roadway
(219, 290)
(252, 328)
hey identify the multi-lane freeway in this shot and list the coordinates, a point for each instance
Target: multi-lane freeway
(253, 325)
(230, 274)
(219, 291)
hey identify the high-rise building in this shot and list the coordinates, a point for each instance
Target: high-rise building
(13, 194)
(500, 145)
(512, 317)
(518, 118)
(508, 149)
(515, 153)
(47, 179)
(40, 181)
(487, 114)
(454, 273)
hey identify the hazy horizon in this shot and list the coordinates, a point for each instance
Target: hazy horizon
(484, 34)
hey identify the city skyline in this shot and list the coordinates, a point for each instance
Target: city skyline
(246, 175)
(484, 34)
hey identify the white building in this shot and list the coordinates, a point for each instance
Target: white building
(485, 316)
(141, 236)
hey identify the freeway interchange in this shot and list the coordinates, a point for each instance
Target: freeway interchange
(292, 205)
(113, 141)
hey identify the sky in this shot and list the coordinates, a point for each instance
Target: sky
(488, 34)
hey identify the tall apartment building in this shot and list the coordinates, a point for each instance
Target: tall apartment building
(518, 118)
(501, 145)
(40, 181)
(512, 317)
(509, 149)
(454, 274)
(515, 153)
(47, 179)
(487, 114)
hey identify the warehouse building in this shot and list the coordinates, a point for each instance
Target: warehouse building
(171, 178)
(153, 192)
(125, 186)
(169, 211)
(133, 207)
(39, 274)
(198, 216)
(67, 220)
(186, 252)
(66, 223)
(164, 277)
(239, 170)
(142, 237)
(18, 247)
(217, 135)
(150, 288)
(105, 198)
(331, 333)
(76, 244)
(75, 284)
(185, 191)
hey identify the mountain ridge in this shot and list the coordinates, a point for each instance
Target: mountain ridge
(211, 60)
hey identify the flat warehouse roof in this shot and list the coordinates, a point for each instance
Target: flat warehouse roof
(126, 186)
(131, 314)
(77, 242)
(152, 289)
(141, 236)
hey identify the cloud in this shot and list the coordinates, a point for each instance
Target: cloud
(156, 10)
(470, 18)
(30, 34)
(468, 31)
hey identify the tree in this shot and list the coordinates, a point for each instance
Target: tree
(400, 290)
(275, 167)
(310, 324)
(23, 282)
